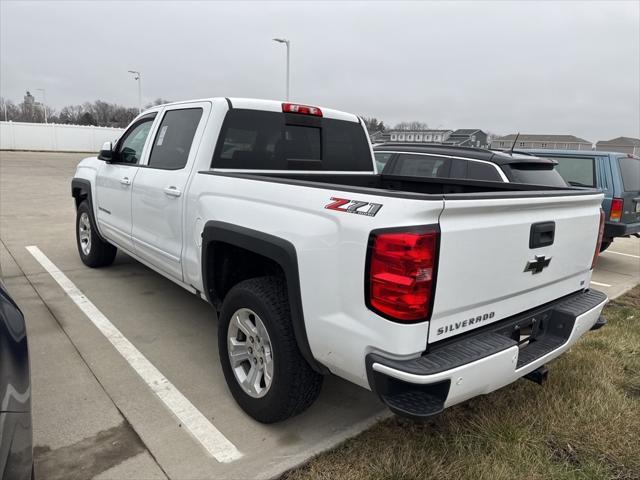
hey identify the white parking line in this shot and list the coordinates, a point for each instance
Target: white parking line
(620, 253)
(213, 441)
(600, 284)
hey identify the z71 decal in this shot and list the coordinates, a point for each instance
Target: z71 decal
(354, 206)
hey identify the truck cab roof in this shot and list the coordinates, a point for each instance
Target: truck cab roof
(269, 106)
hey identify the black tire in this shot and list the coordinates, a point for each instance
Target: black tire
(605, 244)
(295, 385)
(100, 253)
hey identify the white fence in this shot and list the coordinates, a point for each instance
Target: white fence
(54, 137)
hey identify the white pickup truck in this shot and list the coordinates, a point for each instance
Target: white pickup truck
(427, 291)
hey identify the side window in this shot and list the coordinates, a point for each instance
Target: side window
(482, 171)
(421, 166)
(630, 171)
(381, 159)
(173, 141)
(577, 171)
(459, 168)
(131, 145)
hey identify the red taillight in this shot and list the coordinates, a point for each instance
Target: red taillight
(402, 273)
(617, 204)
(303, 109)
(599, 242)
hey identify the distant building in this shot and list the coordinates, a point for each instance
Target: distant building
(419, 136)
(380, 137)
(28, 108)
(469, 137)
(620, 144)
(552, 142)
(29, 99)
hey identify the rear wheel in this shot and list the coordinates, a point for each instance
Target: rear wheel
(264, 370)
(94, 252)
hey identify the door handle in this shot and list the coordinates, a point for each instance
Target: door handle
(125, 181)
(542, 234)
(172, 191)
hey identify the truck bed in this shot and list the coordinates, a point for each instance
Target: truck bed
(486, 234)
(405, 186)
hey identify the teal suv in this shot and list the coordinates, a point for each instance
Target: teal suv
(616, 174)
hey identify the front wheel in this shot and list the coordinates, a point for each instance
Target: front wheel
(262, 365)
(94, 252)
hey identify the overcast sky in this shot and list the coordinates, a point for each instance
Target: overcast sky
(540, 67)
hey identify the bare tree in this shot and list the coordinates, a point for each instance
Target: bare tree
(411, 126)
(373, 124)
(102, 112)
(98, 113)
(70, 114)
(156, 102)
(13, 111)
(87, 119)
(123, 116)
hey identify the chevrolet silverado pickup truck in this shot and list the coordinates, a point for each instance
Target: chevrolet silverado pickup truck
(426, 291)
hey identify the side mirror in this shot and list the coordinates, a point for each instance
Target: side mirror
(106, 152)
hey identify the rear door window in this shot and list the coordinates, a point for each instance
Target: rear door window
(630, 171)
(174, 138)
(260, 140)
(577, 171)
(415, 165)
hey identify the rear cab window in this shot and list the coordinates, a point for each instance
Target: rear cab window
(630, 172)
(262, 140)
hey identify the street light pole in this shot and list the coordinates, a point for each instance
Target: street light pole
(44, 102)
(288, 44)
(138, 77)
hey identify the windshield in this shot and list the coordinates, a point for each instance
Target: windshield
(255, 139)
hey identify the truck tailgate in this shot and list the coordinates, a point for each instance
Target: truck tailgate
(496, 259)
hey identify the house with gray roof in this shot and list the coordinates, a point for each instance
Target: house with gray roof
(468, 137)
(552, 142)
(419, 136)
(620, 144)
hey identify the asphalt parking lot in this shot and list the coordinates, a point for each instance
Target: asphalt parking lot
(93, 415)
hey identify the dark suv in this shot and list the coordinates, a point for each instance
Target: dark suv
(444, 161)
(616, 174)
(16, 456)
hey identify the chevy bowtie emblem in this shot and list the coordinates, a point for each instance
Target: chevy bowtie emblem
(537, 265)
